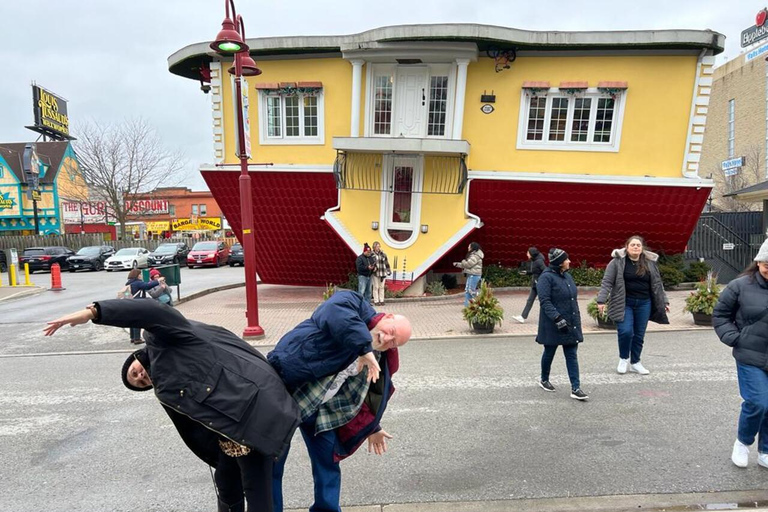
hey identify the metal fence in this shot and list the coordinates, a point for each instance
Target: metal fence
(75, 242)
(727, 241)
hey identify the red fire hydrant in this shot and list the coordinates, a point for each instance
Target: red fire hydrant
(56, 278)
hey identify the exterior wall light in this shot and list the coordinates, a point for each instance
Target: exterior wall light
(375, 225)
(424, 228)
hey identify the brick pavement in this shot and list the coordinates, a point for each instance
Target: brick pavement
(283, 307)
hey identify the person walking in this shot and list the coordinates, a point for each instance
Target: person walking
(139, 289)
(633, 289)
(559, 321)
(380, 274)
(472, 265)
(537, 267)
(366, 267)
(740, 320)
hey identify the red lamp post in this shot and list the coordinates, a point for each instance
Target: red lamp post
(231, 42)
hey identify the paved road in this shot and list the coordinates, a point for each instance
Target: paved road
(84, 287)
(469, 424)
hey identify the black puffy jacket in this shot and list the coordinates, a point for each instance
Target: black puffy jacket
(740, 319)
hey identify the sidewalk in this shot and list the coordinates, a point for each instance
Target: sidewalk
(283, 307)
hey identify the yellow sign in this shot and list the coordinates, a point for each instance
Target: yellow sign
(202, 224)
(157, 226)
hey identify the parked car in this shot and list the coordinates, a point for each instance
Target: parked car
(126, 259)
(3, 262)
(90, 258)
(167, 254)
(236, 255)
(208, 253)
(41, 258)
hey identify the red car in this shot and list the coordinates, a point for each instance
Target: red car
(208, 254)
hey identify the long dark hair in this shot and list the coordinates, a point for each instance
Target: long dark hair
(134, 273)
(473, 247)
(642, 264)
(751, 271)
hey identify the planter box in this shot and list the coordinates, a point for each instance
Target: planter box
(702, 319)
(606, 325)
(482, 328)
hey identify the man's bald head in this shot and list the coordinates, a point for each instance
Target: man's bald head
(391, 331)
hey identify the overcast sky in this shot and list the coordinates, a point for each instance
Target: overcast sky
(109, 58)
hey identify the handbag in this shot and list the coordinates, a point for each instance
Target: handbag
(125, 293)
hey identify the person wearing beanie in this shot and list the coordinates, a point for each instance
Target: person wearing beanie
(537, 267)
(472, 265)
(634, 292)
(225, 400)
(740, 320)
(559, 321)
(338, 365)
(366, 267)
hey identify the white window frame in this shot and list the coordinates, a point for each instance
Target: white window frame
(283, 139)
(433, 70)
(203, 209)
(731, 127)
(194, 210)
(388, 166)
(567, 144)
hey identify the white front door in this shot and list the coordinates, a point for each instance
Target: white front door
(410, 101)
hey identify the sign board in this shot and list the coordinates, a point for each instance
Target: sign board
(95, 212)
(36, 195)
(158, 226)
(486, 109)
(147, 207)
(202, 224)
(244, 118)
(31, 167)
(732, 163)
(732, 172)
(757, 52)
(729, 247)
(50, 114)
(6, 201)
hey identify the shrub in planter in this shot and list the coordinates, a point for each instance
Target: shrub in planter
(350, 283)
(701, 302)
(697, 271)
(499, 276)
(484, 311)
(602, 320)
(436, 288)
(672, 260)
(584, 275)
(449, 281)
(330, 289)
(670, 276)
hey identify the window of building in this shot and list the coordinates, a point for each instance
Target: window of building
(172, 210)
(291, 116)
(2, 171)
(586, 121)
(382, 104)
(438, 105)
(731, 128)
(203, 209)
(194, 209)
(401, 203)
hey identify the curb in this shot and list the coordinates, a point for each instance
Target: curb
(208, 291)
(27, 291)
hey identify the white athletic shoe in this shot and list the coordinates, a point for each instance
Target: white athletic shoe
(638, 368)
(519, 319)
(762, 459)
(740, 455)
(623, 365)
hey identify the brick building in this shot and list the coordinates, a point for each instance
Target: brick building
(177, 210)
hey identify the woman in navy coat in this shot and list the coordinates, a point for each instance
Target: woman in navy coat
(559, 321)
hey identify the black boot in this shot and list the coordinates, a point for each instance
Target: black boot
(238, 507)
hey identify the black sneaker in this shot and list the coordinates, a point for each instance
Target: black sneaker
(578, 394)
(546, 386)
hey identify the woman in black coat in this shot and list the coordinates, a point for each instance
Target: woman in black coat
(740, 319)
(537, 267)
(559, 321)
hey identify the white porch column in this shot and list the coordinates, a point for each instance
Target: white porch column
(357, 83)
(461, 90)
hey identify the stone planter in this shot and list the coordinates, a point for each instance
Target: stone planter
(606, 324)
(482, 328)
(702, 319)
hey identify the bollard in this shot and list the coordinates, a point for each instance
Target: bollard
(56, 278)
(27, 282)
(1, 280)
(13, 274)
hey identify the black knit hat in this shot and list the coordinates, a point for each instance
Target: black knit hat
(557, 257)
(142, 356)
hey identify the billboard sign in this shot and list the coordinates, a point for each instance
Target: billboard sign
(50, 112)
(95, 212)
(756, 32)
(147, 207)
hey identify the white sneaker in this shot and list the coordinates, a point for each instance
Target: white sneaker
(638, 368)
(519, 319)
(762, 459)
(740, 455)
(623, 365)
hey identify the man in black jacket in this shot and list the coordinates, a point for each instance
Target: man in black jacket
(366, 266)
(207, 380)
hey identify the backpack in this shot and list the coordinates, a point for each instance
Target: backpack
(125, 293)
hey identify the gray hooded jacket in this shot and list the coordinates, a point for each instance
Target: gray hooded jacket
(613, 287)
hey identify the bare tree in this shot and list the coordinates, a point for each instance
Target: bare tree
(752, 173)
(122, 161)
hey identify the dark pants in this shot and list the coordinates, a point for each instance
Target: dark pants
(529, 303)
(325, 472)
(753, 420)
(250, 475)
(135, 333)
(571, 363)
(632, 329)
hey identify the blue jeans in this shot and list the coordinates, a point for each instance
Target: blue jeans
(470, 291)
(571, 363)
(364, 286)
(753, 420)
(135, 333)
(631, 330)
(325, 472)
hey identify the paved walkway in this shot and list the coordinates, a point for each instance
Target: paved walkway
(283, 307)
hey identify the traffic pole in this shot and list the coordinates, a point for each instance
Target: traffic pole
(13, 274)
(27, 282)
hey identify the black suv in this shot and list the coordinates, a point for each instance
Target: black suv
(91, 258)
(236, 255)
(167, 254)
(41, 258)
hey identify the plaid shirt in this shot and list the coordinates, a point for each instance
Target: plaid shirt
(382, 264)
(340, 409)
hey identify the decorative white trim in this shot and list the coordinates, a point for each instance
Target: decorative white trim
(590, 179)
(270, 168)
(461, 93)
(618, 121)
(429, 146)
(217, 104)
(357, 79)
(387, 166)
(698, 116)
(265, 140)
(341, 230)
(467, 228)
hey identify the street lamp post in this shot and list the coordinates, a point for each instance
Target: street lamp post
(231, 41)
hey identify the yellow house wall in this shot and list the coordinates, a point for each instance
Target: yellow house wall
(70, 181)
(654, 130)
(9, 185)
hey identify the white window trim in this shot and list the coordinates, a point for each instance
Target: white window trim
(592, 92)
(731, 127)
(386, 205)
(266, 140)
(433, 70)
